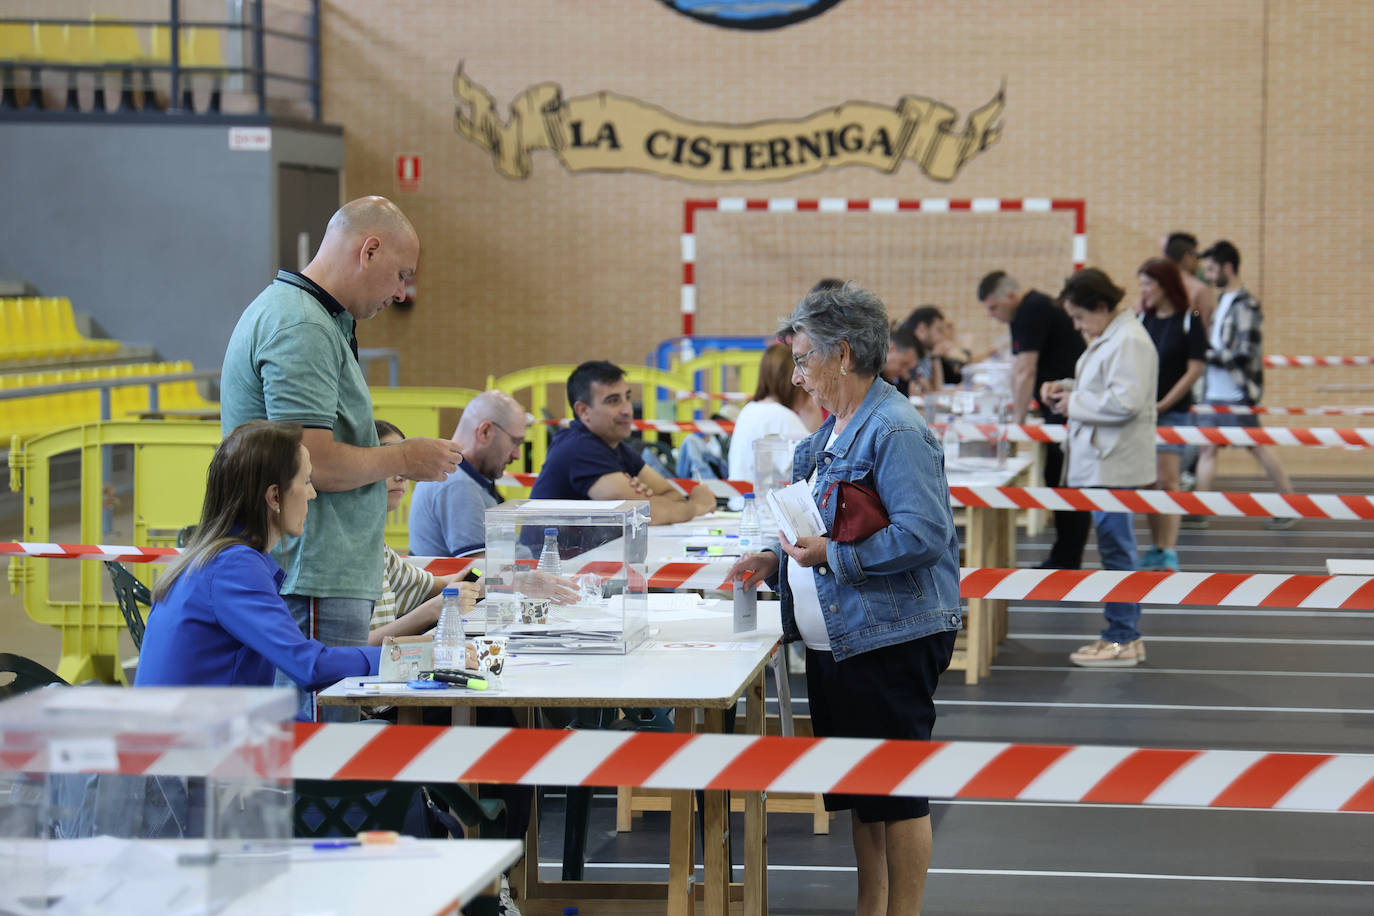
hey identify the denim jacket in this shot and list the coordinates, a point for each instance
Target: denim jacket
(900, 583)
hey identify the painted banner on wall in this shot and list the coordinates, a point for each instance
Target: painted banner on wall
(605, 132)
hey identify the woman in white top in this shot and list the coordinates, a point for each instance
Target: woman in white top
(773, 411)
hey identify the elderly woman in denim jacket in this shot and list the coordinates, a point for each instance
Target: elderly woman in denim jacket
(878, 615)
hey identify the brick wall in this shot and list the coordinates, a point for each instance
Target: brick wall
(1238, 118)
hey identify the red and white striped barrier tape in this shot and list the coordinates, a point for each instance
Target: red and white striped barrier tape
(1053, 432)
(1240, 410)
(878, 205)
(1307, 362)
(1178, 435)
(1345, 507)
(121, 553)
(744, 763)
(1351, 593)
(1168, 502)
(993, 770)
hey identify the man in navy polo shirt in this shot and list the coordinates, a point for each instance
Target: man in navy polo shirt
(590, 459)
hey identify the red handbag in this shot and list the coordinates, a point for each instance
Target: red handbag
(859, 512)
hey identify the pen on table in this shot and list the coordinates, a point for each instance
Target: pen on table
(335, 844)
(460, 680)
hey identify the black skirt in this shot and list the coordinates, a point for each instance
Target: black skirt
(885, 693)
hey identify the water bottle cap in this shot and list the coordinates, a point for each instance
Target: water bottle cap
(452, 591)
(550, 531)
(748, 496)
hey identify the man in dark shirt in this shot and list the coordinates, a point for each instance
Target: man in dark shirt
(591, 460)
(1045, 347)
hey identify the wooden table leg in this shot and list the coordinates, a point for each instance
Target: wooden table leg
(755, 813)
(524, 876)
(624, 809)
(1006, 547)
(716, 835)
(976, 552)
(681, 843)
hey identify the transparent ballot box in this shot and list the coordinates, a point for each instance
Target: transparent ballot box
(155, 800)
(772, 471)
(567, 575)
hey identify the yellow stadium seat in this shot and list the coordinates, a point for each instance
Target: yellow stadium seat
(81, 49)
(50, 44)
(45, 328)
(27, 416)
(198, 47)
(201, 47)
(16, 41)
(16, 49)
(116, 43)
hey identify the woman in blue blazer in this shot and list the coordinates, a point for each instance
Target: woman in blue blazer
(217, 617)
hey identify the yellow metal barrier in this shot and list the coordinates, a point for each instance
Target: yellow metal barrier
(417, 410)
(726, 370)
(170, 460)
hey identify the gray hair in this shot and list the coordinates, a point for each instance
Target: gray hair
(849, 314)
(493, 405)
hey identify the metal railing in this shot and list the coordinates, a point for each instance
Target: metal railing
(254, 66)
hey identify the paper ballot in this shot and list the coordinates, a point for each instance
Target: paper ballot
(796, 511)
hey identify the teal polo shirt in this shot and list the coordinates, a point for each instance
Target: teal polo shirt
(292, 357)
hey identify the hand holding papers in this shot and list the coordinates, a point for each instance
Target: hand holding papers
(796, 511)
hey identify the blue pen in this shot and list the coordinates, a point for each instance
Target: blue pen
(334, 844)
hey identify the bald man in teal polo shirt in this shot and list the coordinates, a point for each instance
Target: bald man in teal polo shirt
(294, 356)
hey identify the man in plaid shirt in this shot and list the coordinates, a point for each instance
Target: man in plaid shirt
(1235, 366)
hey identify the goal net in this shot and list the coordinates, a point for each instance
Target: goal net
(747, 262)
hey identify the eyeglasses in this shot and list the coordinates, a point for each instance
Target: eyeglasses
(801, 361)
(519, 441)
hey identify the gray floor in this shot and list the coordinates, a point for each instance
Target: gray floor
(1216, 678)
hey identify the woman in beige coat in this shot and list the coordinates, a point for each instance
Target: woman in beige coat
(1110, 404)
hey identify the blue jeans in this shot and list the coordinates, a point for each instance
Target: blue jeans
(334, 622)
(1116, 547)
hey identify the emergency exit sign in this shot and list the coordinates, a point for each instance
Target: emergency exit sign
(408, 172)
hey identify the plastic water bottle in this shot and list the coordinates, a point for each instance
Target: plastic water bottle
(549, 560)
(449, 639)
(750, 532)
(951, 441)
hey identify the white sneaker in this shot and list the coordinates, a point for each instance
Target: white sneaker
(1103, 654)
(505, 903)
